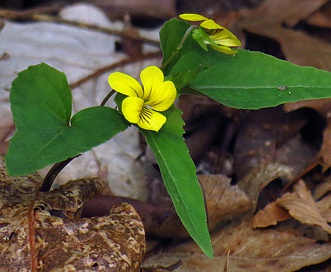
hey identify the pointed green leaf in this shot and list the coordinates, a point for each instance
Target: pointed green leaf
(178, 172)
(249, 80)
(253, 80)
(41, 106)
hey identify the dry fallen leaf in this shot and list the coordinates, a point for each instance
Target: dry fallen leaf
(301, 206)
(275, 18)
(270, 216)
(38, 233)
(250, 250)
(324, 206)
(322, 189)
(253, 183)
(321, 17)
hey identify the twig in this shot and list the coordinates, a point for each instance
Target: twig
(32, 230)
(112, 66)
(18, 15)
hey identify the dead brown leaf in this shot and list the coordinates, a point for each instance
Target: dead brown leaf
(253, 183)
(301, 206)
(224, 201)
(274, 19)
(250, 250)
(322, 17)
(324, 206)
(322, 189)
(270, 216)
(282, 11)
(38, 231)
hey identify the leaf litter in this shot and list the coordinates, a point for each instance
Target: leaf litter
(264, 173)
(44, 231)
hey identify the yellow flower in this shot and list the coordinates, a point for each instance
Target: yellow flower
(143, 103)
(218, 37)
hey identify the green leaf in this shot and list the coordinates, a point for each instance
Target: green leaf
(253, 80)
(178, 172)
(249, 80)
(41, 106)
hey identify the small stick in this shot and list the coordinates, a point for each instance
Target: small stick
(18, 15)
(112, 66)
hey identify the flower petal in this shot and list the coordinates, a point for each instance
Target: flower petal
(151, 77)
(151, 120)
(125, 84)
(210, 24)
(225, 37)
(224, 49)
(163, 97)
(132, 108)
(193, 17)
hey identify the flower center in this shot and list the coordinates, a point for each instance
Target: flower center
(148, 106)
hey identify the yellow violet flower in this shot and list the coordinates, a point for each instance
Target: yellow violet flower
(218, 37)
(144, 102)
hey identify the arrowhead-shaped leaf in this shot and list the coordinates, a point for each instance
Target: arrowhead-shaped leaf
(41, 105)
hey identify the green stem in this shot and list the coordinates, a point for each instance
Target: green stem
(108, 96)
(52, 174)
(179, 47)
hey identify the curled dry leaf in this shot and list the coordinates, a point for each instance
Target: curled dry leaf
(270, 216)
(70, 197)
(33, 238)
(253, 183)
(301, 206)
(317, 214)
